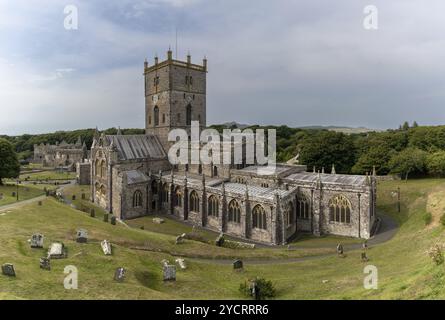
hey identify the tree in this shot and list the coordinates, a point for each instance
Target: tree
(405, 126)
(377, 156)
(410, 160)
(435, 163)
(326, 148)
(415, 124)
(9, 163)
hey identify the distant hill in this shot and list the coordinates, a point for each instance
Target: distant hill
(346, 130)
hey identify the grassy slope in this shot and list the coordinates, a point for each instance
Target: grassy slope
(405, 271)
(25, 193)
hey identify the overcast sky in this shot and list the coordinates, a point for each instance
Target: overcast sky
(288, 62)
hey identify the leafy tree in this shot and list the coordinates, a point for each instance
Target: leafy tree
(326, 148)
(405, 126)
(378, 156)
(435, 163)
(408, 161)
(9, 163)
(415, 124)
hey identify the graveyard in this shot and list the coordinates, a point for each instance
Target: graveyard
(146, 256)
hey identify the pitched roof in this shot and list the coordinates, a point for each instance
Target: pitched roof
(131, 147)
(341, 179)
(136, 176)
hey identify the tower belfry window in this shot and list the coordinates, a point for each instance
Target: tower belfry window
(156, 116)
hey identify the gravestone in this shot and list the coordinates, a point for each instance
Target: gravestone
(237, 265)
(13, 194)
(106, 247)
(220, 240)
(119, 274)
(8, 270)
(113, 220)
(82, 236)
(180, 239)
(106, 217)
(57, 250)
(169, 272)
(83, 196)
(181, 263)
(37, 241)
(158, 220)
(45, 263)
(92, 213)
(73, 197)
(40, 203)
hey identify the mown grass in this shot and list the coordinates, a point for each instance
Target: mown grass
(404, 269)
(47, 175)
(25, 192)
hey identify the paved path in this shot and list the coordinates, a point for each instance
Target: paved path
(388, 229)
(21, 203)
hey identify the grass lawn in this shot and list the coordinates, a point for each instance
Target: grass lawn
(405, 271)
(25, 192)
(48, 175)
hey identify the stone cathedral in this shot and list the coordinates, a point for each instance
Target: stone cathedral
(131, 175)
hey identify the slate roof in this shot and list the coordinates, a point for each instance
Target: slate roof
(131, 147)
(340, 179)
(254, 191)
(136, 176)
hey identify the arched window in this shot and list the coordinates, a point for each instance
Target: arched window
(213, 207)
(234, 212)
(188, 116)
(259, 218)
(178, 197)
(137, 199)
(340, 209)
(165, 193)
(98, 168)
(289, 214)
(156, 116)
(215, 171)
(103, 169)
(303, 210)
(194, 202)
(154, 187)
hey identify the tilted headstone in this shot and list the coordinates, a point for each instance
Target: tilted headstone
(237, 264)
(119, 274)
(8, 270)
(37, 241)
(169, 272)
(220, 240)
(45, 263)
(113, 220)
(40, 203)
(82, 236)
(180, 239)
(106, 247)
(158, 220)
(57, 250)
(181, 263)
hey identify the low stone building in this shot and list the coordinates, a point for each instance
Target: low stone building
(61, 154)
(131, 176)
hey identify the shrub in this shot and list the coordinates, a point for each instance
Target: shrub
(427, 218)
(265, 287)
(435, 253)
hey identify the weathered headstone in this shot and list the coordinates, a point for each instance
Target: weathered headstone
(82, 236)
(181, 263)
(169, 272)
(13, 194)
(37, 241)
(220, 240)
(106, 217)
(113, 220)
(45, 263)
(92, 213)
(83, 196)
(158, 220)
(119, 274)
(237, 265)
(1, 196)
(40, 203)
(73, 197)
(180, 239)
(106, 247)
(57, 250)
(8, 270)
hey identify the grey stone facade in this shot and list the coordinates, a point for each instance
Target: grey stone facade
(60, 155)
(132, 177)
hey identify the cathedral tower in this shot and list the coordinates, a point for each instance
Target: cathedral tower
(175, 95)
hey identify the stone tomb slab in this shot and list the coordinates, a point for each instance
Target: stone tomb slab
(169, 272)
(57, 250)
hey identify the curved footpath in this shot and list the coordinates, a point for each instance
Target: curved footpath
(388, 228)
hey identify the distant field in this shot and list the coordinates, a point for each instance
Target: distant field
(48, 175)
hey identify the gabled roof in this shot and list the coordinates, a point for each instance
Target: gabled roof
(136, 176)
(339, 179)
(131, 147)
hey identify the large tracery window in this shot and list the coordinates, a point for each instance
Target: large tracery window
(289, 214)
(234, 212)
(213, 207)
(340, 209)
(137, 199)
(194, 202)
(259, 218)
(303, 207)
